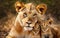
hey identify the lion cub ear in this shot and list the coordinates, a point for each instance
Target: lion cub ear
(42, 8)
(18, 6)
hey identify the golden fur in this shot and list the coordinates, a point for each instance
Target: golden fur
(32, 23)
(26, 24)
(49, 29)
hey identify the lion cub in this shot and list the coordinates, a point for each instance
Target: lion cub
(27, 23)
(49, 29)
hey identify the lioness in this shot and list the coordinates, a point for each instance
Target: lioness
(27, 23)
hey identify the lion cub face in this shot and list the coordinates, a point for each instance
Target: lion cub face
(47, 29)
(28, 13)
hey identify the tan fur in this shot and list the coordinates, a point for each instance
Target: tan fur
(49, 28)
(27, 24)
(34, 15)
(46, 29)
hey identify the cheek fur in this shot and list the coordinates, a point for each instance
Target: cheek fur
(21, 17)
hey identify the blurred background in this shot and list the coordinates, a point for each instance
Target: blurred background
(8, 13)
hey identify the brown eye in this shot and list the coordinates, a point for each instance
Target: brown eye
(50, 22)
(25, 15)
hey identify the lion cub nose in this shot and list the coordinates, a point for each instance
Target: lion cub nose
(29, 22)
(46, 36)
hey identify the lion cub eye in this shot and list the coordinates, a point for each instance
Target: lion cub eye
(25, 15)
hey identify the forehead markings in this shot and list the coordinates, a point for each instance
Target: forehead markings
(28, 6)
(27, 9)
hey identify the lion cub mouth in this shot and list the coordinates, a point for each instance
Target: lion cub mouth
(28, 28)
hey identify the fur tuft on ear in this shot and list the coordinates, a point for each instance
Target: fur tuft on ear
(18, 6)
(42, 8)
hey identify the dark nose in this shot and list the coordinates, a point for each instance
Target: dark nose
(29, 22)
(46, 36)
